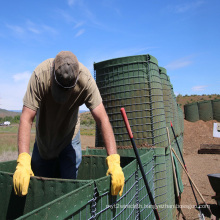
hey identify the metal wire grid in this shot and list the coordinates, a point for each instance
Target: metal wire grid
(127, 85)
(167, 98)
(170, 187)
(161, 194)
(133, 204)
(175, 115)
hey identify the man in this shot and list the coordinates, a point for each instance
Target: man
(55, 91)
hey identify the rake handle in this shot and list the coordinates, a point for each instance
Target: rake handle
(139, 162)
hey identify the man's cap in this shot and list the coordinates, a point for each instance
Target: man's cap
(64, 79)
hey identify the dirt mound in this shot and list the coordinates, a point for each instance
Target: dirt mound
(196, 133)
(199, 166)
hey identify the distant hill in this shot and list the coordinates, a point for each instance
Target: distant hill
(183, 100)
(4, 113)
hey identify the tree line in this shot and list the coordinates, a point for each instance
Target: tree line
(13, 120)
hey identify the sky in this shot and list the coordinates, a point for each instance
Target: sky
(183, 35)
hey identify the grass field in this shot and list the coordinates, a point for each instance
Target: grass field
(8, 138)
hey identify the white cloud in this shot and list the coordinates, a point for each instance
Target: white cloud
(182, 8)
(80, 32)
(71, 2)
(15, 28)
(79, 24)
(29, 26)
(178, 64)
(66, 16)
(49, 29)
(199, 88)
(22, 76)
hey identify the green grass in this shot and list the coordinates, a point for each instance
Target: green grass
(89, 132)
(9, 136)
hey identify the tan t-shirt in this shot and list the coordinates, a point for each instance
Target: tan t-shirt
(56, 123)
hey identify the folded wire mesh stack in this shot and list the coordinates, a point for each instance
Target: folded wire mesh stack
(133, 83)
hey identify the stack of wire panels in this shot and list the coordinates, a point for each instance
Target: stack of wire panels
(133, 83)
(167, 98)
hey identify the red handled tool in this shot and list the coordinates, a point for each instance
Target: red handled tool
(201, 216)
(139, 162)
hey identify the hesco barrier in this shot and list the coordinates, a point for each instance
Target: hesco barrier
(216, 109)
(133, 83)
(205, 110)
(191, 112)
(167, 99)
(181, 119)
(89, 196)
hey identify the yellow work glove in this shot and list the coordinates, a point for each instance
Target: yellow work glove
(22, 174)
(117, 175)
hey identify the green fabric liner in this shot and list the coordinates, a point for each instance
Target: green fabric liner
(178, 175)
(68, 197)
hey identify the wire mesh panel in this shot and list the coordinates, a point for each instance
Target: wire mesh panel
(160, 179)
(145, 206)
(133, 83)
(181, 119)
(167, 98)
(175, 114)
(170, 187)
(124, 207)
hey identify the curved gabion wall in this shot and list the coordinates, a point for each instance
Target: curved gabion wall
(205, 110)
(167, 99)
(191, 112)
(216, 109)
(133, 83)
(181, 119)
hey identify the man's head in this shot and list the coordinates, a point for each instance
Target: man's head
(64, 76)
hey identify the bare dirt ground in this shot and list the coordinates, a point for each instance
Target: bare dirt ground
(198, 165)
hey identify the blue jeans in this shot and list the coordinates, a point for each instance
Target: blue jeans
(65, 166)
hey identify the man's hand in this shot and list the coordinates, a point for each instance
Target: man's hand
(22, 174)
(117, 175)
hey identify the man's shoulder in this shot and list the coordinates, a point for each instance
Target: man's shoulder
(84, 70)
(45, 66)
(85, 74)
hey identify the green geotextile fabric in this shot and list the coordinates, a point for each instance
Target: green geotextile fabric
(167, 99)
(205, 110)
(89, 196)
(191, 112)
(178, 174)
(216, 109)
(42, 192)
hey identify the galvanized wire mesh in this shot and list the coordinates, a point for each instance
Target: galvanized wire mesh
(133, 83)
(135, 202)
(91, 199)
(167, 98)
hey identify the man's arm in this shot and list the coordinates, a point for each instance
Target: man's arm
(102, 120)
(23, 172)
(24, 132)
(113, 159)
